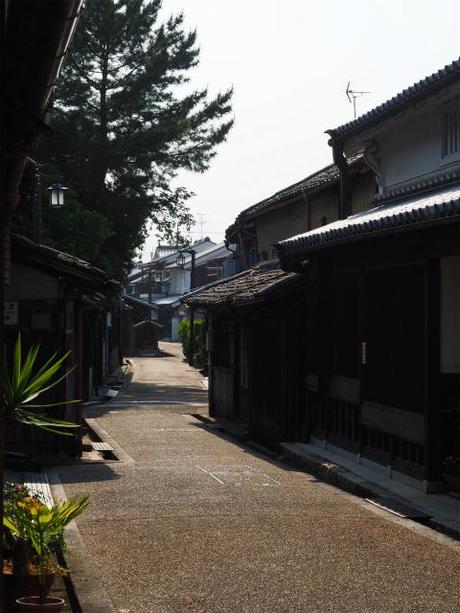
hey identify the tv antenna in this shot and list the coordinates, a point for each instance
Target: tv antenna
(202, 222)
(352, 95)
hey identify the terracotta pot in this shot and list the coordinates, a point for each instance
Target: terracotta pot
(32, 604)
(17, 585)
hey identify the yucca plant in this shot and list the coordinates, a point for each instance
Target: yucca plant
(26, 382)
(43, 527)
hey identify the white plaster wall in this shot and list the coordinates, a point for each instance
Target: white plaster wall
(174, 324)
(450, 315)
(180, 281)
(412, 150)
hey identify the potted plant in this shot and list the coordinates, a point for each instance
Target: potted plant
(20, 574)
(23, 381)
(43, 527)
(451, 472)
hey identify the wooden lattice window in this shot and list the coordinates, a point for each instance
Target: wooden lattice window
(450, 135)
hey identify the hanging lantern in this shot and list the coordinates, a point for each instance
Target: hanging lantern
(56, 192)
(180, 260)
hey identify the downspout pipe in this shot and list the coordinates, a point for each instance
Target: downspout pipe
(344, 204)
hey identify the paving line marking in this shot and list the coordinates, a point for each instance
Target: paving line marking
(210, 474)
(266, 476)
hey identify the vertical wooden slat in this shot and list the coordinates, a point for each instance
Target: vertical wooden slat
(432, 369)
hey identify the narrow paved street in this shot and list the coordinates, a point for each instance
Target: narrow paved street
(196, 522)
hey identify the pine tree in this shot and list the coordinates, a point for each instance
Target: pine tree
(127, 119)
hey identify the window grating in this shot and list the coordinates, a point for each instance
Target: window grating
(451, 132)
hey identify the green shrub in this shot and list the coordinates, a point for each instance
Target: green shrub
(199, 348)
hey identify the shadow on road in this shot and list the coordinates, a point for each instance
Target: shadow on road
(87, 473)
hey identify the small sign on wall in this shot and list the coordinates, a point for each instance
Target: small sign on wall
(10, 313)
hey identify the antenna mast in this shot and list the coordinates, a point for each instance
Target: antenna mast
(352, 94)
(202, 222)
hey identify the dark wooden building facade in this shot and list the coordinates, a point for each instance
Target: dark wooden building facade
(64, 304)
(382, 319)
(256, 318)
(254, 323)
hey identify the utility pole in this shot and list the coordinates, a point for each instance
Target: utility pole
(181, 262)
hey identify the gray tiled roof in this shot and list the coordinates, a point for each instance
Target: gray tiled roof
(319, 179)
(248, 287)
(328, 175)
(407, 97)
(404, 213)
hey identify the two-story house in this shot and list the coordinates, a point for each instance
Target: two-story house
(255, 318)
(382, 322)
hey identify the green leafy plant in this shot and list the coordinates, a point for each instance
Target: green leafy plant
(43, 527)
(17, 548)
(199, 344)
(26, 382)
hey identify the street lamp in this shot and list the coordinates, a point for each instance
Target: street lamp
(56, 193)
(180, 261)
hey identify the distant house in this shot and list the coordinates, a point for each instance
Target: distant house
(256, 318)
(163, 281)
(133, 313)
(64, 304)
(382, 319)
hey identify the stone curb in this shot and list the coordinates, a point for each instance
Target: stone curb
(330, 473)
(91, 597)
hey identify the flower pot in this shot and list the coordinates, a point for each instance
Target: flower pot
(23, 584)
(32, 604)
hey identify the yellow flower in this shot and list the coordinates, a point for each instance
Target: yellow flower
(30, 504)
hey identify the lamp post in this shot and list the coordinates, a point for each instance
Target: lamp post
(180, 261)
(149, 281)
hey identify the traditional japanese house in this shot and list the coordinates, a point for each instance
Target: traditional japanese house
(300, 207)
(382, 319)
(253, 333)
(255, 318)
(64, 304)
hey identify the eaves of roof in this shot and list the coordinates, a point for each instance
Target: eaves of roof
(322, 178)
(250, 287)
(407, 213)
(38, 254)
(130, 300)
(408, 97)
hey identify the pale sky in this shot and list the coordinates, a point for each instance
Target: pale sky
(289, 62)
